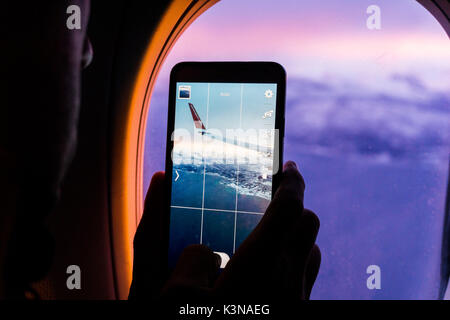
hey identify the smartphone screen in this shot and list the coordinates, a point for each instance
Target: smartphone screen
(223, 161)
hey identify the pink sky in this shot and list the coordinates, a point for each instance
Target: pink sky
(316, 39)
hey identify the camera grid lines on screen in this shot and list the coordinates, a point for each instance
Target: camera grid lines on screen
(225, 198)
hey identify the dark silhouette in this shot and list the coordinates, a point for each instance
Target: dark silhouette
(279, 259)
(44, 62)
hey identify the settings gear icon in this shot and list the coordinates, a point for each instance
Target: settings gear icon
(268, 94)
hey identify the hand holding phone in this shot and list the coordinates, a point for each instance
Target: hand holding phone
(211, 208)
(224, 152)
(277, 260)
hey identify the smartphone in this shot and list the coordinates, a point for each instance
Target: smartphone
(224, 152)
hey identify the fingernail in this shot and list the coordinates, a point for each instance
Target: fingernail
(291, 163)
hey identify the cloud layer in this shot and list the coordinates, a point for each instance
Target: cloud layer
(342, 120)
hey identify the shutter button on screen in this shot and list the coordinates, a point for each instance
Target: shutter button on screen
(224, 257)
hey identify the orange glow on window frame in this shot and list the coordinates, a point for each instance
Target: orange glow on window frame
(127, 192)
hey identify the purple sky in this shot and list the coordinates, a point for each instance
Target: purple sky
(309, 37)
(371, 129)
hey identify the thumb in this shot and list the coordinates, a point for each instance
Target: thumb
(194, 273)
(150, 252)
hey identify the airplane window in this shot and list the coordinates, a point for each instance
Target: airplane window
(367, 121)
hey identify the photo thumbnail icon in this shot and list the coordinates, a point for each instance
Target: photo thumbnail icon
(184, 92)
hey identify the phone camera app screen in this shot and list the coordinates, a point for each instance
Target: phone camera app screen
(223, 162)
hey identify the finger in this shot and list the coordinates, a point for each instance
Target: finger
(256, 263)
(150, 249)
(312, 270)
(156, 187)
(295, 252)
(289, 194)
(301, 238)
(292, 181)
(195, 271)
(153, 216)
(286, 207)
(154, 203)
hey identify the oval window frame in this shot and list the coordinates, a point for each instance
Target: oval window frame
(126, 173)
